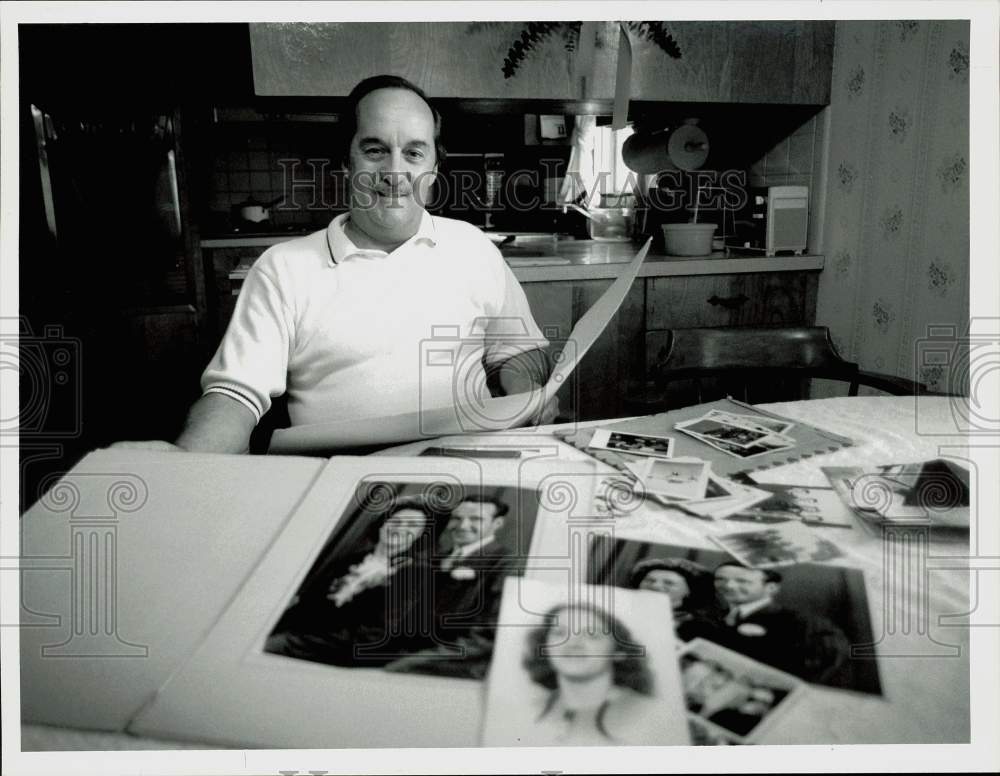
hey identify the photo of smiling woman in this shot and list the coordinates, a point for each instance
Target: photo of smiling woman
(581, 667)
(596, 675)
(366, 609)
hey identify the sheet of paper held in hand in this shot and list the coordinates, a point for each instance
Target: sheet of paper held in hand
(493, 414)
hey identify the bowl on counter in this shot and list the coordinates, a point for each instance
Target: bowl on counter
(688, 239)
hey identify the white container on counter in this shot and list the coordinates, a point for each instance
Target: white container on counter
(688, 239)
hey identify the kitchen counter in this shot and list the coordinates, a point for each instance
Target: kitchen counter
(581, 260)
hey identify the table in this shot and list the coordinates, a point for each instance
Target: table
(924, 659)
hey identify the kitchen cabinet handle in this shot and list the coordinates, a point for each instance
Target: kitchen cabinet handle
(729, 302)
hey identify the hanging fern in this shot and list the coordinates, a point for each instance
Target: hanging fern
(657, 33)
(533, 34)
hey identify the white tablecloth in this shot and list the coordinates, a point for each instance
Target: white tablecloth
(924, 660)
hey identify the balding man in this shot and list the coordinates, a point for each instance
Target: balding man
(335, 320)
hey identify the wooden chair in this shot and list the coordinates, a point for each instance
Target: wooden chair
(755, 364)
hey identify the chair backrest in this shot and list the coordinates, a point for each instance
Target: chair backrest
(755, 364)
(718, 349)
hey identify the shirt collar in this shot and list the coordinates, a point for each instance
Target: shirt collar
(749, 608)
(342, 249)
(464, 551)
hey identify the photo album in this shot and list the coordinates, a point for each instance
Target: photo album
(490, 583)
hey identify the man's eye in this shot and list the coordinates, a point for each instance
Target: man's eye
(374, 152)
(416, 155)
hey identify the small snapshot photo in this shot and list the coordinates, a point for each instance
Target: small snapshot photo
(723, 430)
(730, 698)
(677, 478)
(410, 579)
(933, 493)
(813, 506)
(597, 668)
(801, 619)
(774, 425)
(780, 544)
(772, 444)
(635, 444)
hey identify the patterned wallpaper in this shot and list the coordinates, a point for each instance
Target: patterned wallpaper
(896, 234)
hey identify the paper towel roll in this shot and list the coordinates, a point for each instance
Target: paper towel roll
(684, 148)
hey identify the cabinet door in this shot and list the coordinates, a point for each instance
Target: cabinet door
(759, 62)
(446, 59)
(746, 61)
(761, 298)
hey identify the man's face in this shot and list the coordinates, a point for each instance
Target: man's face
(471, 521)
(391, 164)
(737, 585)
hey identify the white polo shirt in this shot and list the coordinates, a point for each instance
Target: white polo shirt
(354, 333)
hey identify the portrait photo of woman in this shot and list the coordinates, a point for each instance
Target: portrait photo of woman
(595, 673)
(586, 672)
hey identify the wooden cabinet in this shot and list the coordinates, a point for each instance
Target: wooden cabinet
(618, 359)
(759, 62)
(722, 61)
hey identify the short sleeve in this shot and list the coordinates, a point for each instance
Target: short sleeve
(251, 363)
(512, 328)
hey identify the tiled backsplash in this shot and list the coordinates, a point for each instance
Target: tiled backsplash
(798, 160)
(295, 167)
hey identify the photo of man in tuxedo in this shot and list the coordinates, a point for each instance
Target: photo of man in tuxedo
(477, 550)
(754, 624)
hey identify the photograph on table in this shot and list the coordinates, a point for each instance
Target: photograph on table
(803, 619)
(635, 444)
(681, 479)
(812, 506)
(779, 544)
(583, 666)
(775, 425)
(724, 429)
(933, 493)
(411, 579)
(730, 698)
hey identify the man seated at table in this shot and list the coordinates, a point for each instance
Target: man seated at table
(755, 625)
(337, 319)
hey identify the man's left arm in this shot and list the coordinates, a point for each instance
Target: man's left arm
(518, 347)
(525, 372)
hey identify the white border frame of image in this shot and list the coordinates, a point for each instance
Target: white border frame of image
(985, 279)
(710, 651)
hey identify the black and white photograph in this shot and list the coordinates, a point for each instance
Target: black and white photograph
(813, 506)
(411, 582)
(678, 478)
(634, 444)
(803, 619)
(722, 429)
(258, 259)
(582, 670)
(781, 544)
(732, 699)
